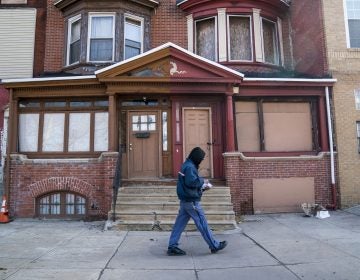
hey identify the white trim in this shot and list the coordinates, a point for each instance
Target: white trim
(357, 98)
(190, 32)
(290, 80)
(258, 35)
(167, 45)
(216, 34)
(141, 20)
(222, 46)
(330, 131)
(251, 37)
(71, 21)
(346, 24)
(96, 14)
(47, 79)
(277, 48)
(181, 2)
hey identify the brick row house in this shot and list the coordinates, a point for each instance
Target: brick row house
(342, 29)
(148, 80)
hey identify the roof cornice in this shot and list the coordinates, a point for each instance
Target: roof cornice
(61, 4)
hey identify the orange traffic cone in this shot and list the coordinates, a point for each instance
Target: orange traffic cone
(4, 212)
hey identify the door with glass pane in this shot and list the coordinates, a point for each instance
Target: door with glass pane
(143, 147)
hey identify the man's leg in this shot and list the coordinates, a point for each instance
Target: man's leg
(180, 223)
(197, 214)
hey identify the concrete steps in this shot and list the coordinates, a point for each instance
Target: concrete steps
(152, 206)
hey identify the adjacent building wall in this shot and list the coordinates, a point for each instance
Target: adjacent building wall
(344, 64)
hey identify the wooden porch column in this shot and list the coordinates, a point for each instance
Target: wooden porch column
(230, 137)
(324, 143)
(112, 123)
(13, 124)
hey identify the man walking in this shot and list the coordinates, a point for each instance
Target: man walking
(190, 187)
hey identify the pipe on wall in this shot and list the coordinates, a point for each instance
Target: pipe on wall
(332, 162)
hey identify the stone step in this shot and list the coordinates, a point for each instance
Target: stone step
(169, 206)
(169, 215)
(168, 225)
(168, 190)
(123, 198)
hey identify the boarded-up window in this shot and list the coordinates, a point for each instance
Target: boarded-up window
(270, 44)
(240, 47)
(206, 38)
(247, 126)
(287, 127)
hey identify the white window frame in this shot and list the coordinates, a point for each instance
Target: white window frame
(251, 37)
(358, 135)
(141, 20)
(71, 21)
(92, 15)
(276, 38)
(357, 98)
(347, 26)
(216, 35)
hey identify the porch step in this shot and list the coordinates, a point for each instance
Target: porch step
(154, 207)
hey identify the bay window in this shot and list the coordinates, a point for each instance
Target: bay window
(101, 38)
(206, 42)
(133, 35)
(63, 127)
(270, 42)
(240, 38)
(73, 45)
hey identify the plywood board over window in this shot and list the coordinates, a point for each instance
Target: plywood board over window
(206, 38)
(287, 127)
(247, 126)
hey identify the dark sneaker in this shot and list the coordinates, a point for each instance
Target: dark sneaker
(222, 245)
(175, 251)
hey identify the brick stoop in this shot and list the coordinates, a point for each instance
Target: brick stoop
(154, 206)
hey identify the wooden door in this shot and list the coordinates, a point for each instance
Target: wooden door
(197, 133)
(143, 144)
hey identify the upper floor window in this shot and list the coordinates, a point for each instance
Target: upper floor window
(205, 34)
(133, 35)
(270, 42)
(101, 37)
(357, 99)
(353, 23)
(73, 44)
(240, 39)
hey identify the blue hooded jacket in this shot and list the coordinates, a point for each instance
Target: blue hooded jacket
(189, 182)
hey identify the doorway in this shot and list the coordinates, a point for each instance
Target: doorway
(143, 148)
(197, 133)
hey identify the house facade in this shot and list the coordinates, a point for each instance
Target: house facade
(18, 21)
(146, 81)
(342, 25)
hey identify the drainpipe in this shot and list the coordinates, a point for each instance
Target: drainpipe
(333, 187)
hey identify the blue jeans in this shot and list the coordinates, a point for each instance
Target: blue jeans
(192, 210)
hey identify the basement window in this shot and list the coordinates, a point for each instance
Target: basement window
(61, 204)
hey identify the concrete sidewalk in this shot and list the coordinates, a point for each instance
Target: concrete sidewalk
(284, 246)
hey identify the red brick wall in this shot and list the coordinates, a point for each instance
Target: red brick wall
(239, 176)
(168, 24)
(308, 37)
(91, 178)
(55, 37)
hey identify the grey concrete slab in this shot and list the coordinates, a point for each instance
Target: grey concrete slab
(240, 252)
(66, 258)
(148, 251)
(253, 273)
(95, 241)
(55, 274)
(349, 246)
(328, 269)
(10, 262)
(5, 273)
(168, 274)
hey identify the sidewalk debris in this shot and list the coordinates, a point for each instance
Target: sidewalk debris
(315, 210)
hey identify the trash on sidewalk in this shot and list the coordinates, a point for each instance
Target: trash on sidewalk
(315, 210)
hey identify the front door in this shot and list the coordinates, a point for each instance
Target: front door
(143, 144)
(197, 133)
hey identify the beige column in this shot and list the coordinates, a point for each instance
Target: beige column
(281, 46)
(222, 34)
(190, 32)
(258, 36)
